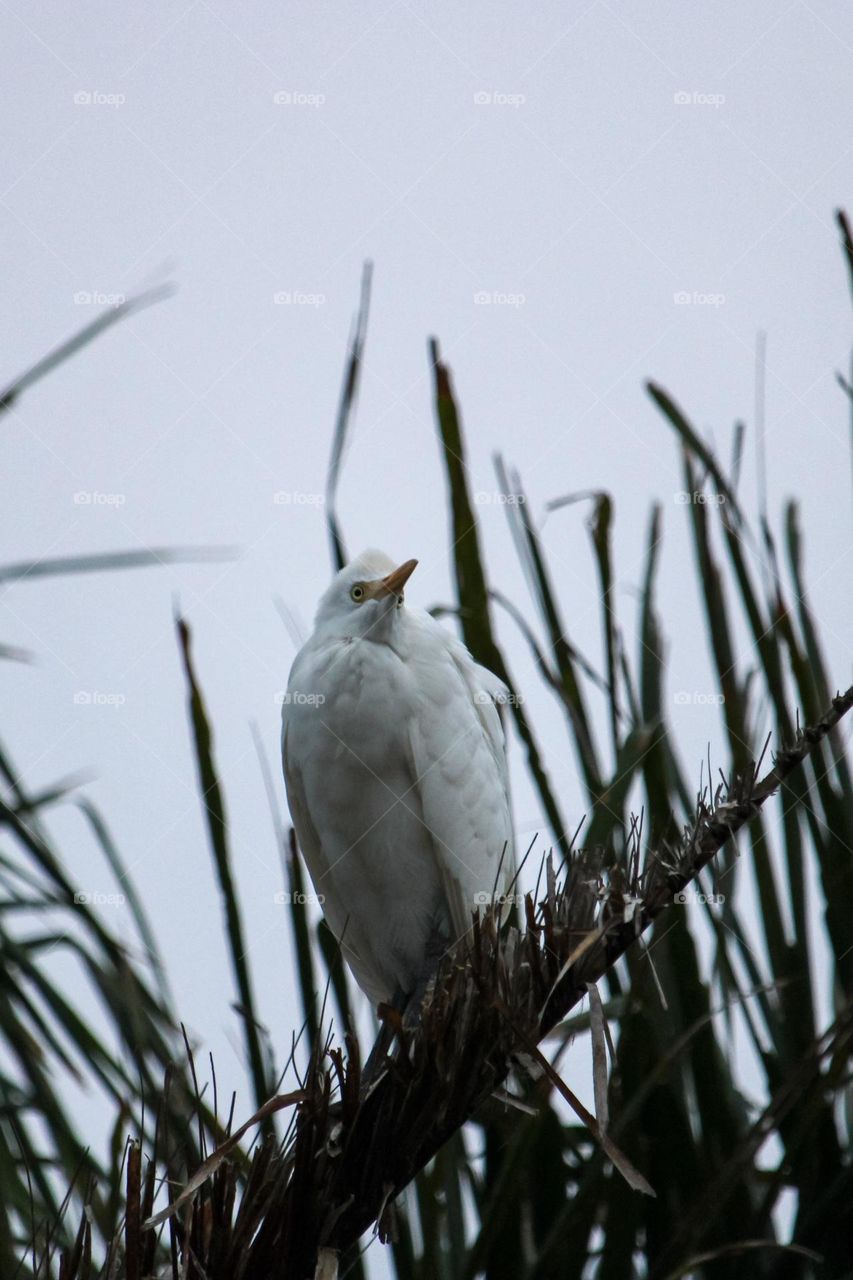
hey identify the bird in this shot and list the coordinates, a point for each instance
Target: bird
(396, 776)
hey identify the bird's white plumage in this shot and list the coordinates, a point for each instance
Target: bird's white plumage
(396, 777)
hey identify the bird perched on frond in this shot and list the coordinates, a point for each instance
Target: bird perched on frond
(395, 767)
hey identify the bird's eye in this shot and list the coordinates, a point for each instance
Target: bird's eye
(357, 593)
(399, 602)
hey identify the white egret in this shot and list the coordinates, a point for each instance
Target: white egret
(395, 768)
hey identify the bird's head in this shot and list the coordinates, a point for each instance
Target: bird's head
(366, 598)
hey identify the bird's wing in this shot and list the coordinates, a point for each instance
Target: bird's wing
(460, 774)
(486, 690)
(318, 865)
(306, 832)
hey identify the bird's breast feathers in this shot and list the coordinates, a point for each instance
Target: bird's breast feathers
(353, 695)
(396, 774)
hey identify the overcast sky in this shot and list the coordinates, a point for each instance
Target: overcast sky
(572, 197)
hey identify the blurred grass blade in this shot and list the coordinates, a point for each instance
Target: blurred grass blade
(659, 772)
(14, 653)
(333, 961)
(693, 444)
(846, 241)
(123, 878)
(608, 814)
(346, 407)
(532, 558)
(548, 674)
(471, 585)
(814, 669)
(600, 531)
(600, 527)
(214, 809)
(292, 872)
(292, 866)
(110, 560)
(469, 572)
(80, 340)
(718, 620)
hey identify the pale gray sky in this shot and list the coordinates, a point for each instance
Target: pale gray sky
(635, 191)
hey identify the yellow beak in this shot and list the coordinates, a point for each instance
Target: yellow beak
(395, 582)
